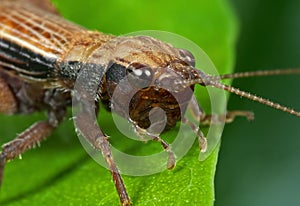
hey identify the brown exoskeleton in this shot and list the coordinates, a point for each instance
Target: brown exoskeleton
(42, 56)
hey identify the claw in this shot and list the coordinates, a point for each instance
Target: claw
(171, 161)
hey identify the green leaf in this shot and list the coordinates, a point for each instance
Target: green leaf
(61, 173)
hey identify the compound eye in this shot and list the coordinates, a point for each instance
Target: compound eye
(187, 57)
(139, 76)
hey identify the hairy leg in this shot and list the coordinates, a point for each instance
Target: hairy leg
(87, 126)
(26, 140)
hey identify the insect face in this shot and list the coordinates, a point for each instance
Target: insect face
(147, 73)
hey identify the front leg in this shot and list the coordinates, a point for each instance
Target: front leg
(88, 128)
(141, 133)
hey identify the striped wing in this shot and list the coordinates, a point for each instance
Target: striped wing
(33, 37)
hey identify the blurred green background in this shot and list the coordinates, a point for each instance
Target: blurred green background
(259, 161)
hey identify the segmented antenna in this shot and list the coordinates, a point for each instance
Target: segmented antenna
(252, 97)
(256, 74)
(214, 81)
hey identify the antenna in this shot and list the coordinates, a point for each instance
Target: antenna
(256, 74)
(214, 81)
(252, 97)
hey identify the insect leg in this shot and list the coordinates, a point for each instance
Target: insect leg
(201, 138)
(142, 132)
(26, 140)
(88, 127)
(171, 159)
(209, 119)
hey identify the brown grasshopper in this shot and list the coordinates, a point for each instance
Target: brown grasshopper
(42, 55)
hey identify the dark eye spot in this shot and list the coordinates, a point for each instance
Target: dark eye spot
(139, 76)
(187, 57)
